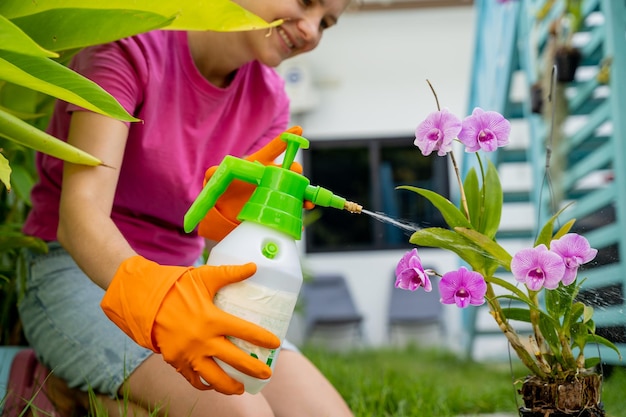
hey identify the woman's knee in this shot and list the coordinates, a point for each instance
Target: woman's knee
(156, 386)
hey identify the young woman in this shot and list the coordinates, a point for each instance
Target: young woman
(115, 232)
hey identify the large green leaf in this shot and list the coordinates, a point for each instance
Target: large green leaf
(63, 29)
(217, 15)
(497, 252)
(451, 214)
(69, 25)
(12, 38)
(49, 77)
(437, 237)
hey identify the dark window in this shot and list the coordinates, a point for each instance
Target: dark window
(367, 172)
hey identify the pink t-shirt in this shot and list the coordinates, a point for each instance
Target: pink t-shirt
(188, 125)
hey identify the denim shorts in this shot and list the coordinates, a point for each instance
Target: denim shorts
(63, 322)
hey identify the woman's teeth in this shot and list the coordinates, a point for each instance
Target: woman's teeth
(285, 37)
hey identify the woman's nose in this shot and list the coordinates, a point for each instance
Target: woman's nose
(309, 28)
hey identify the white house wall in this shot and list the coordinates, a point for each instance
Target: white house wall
(368, 79)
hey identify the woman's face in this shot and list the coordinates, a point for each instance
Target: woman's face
(301, 31)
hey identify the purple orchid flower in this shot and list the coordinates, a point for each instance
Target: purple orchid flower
(484, 130)
(538, 267)
(410, 274)
(463, 287)
(437, 132)
(575, 251)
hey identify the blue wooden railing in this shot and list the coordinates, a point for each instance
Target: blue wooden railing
(588, 155)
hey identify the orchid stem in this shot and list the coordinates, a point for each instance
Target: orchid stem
(434, 94)
(456, 166)
(534, 319)
(461, 189)
(524, 355)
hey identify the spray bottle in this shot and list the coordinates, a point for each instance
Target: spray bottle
(271, 222)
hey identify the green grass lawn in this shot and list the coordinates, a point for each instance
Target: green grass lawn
(429, 383)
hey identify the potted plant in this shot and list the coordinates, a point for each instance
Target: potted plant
(561, 380)
(567, 57)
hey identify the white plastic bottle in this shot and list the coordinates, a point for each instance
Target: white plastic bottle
(268, 298)
(271, 222)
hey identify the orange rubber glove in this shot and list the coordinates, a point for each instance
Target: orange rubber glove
(222, 218)
(170, 310)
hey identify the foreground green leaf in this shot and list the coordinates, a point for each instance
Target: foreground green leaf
(64, 29)
(216, 15)
(19, 131)
(49, 77)
(12, 38)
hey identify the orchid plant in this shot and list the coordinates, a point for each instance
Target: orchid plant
(546, 285)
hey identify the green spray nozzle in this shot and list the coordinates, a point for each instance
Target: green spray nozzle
(278, 198)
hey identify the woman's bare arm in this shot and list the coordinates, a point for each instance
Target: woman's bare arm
(85, 226)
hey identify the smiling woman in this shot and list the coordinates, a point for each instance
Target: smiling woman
(227, 79)
(31, 75)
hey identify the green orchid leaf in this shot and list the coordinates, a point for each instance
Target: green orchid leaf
(51, 78)
(497, 252)
(21, 132)
(531, 306)
(69, 28)
(587, 314)
(559, 300)
(215, 15)
(494, 197)
(512, 288)
(437, 237)
(594, 338)
(5, 172)
(546, 234)
(579, 333)
(474, 199)
(576, 312)
(591, 362)
(549, 331)
(564, 229)
(13, 39)
(451, 214)
(517, 314)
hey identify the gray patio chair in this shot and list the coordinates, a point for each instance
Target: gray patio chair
(411, 311)
(327, 305)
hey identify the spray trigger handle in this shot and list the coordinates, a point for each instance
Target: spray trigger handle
(294, 142)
